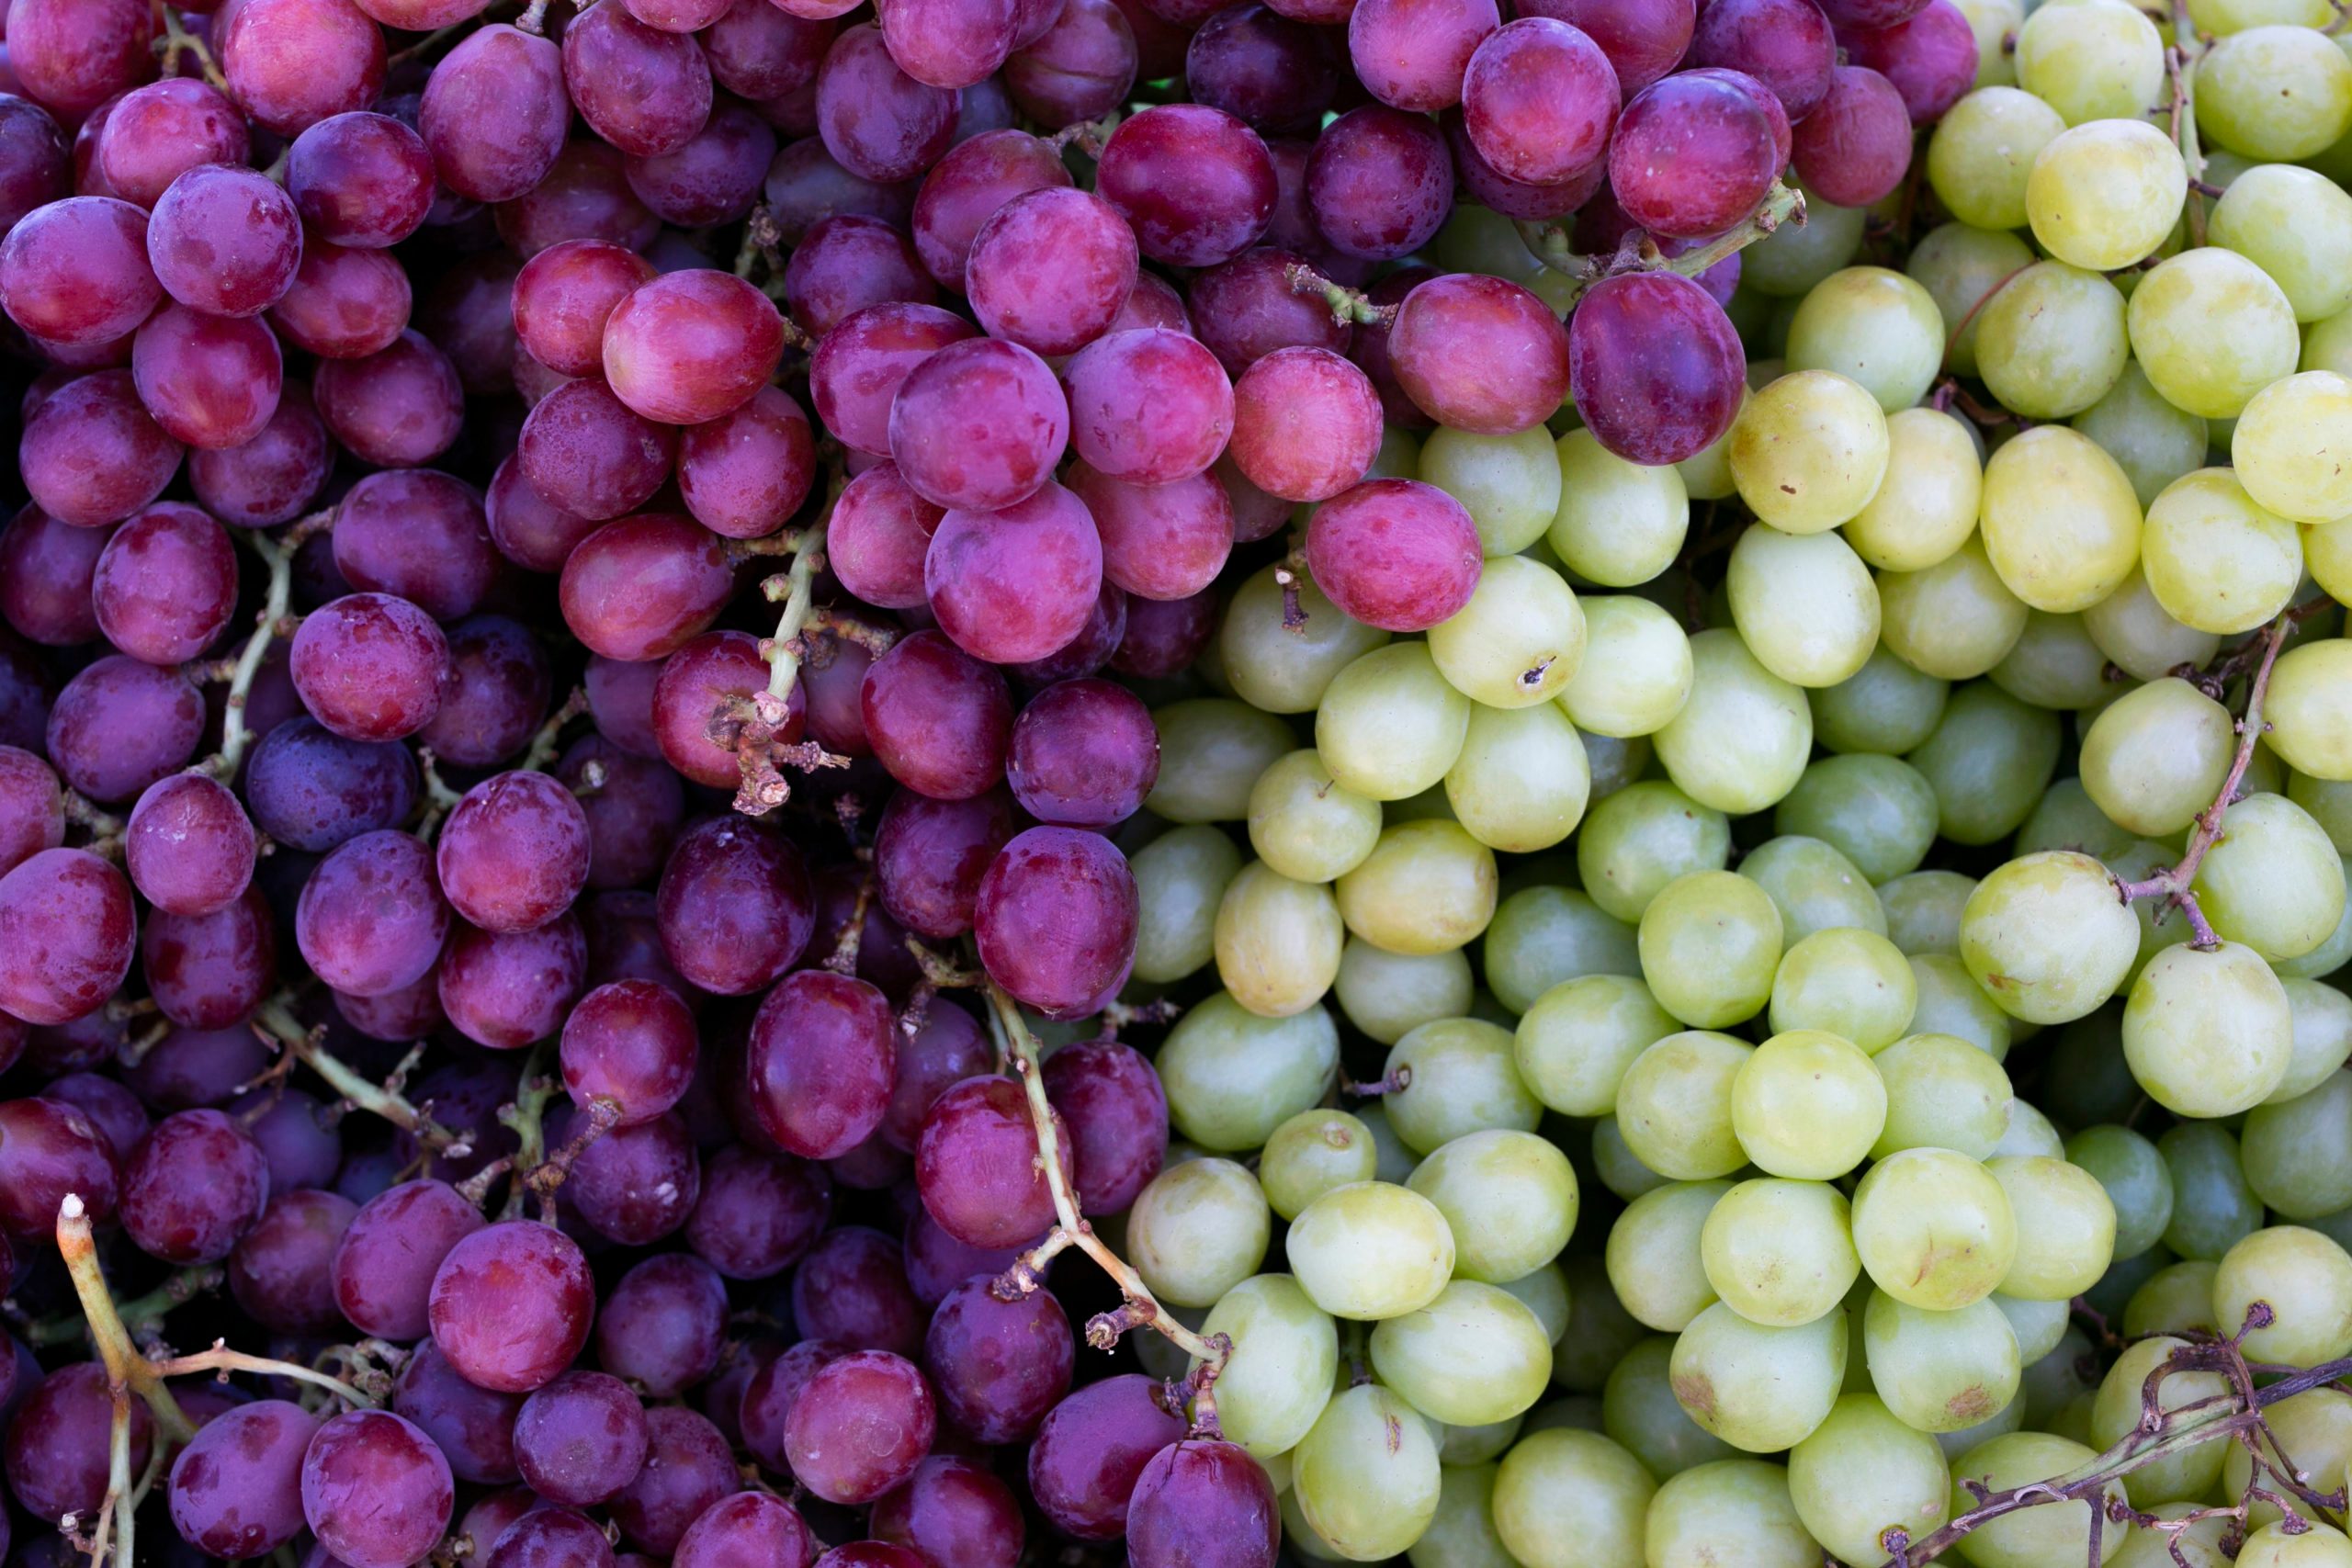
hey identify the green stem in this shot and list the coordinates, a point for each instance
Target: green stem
(1549, 242)
(278, 1021)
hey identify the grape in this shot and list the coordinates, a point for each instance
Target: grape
(1395, 554)
(1081, 67)
(67, 916)
(1450, 325)
(75, 272)
(1854, 146)
(1805, 604)
(1566, 1477)
(1538, 134)
(120, 725)
(1370, 1250)
(510, 1305)
(1017, 583)
(1232, 1076)
(1055, 920)
(1671, 395)
(1934, 1228)
(1428, 888)
(1367, 1474)
(1473, 1356)
(399, 407)
(1411, 54)
(92, 453)
(1941, 1371)
(952, 1510)
(1013, 425)
(235, 1490)
(375, 1489)
(689, 347)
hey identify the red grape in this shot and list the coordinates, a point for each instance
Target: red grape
(879, 536)
(563, 295)
(385, 1263)
(860, 1426)
(976, 1164)
(1016, 583)
(32, 810)
(550, 1538)
(850, 1294)
(757, 51)
(1930, 57)
(641, 587)
(1159, 541)
(195, 1185)
(224, 240)
(59, 1439)
(1306, 424)
(758, 1213)
(369, 666)
(735, 906)
(119, 725)
(510, 1305)
(1056, 920)
(362, 180)
(967, 187)
(846, 263)
(291, 63)
(1411, 55)
(49, 1148)
(1785, 44)
(1196, 184)
(804, 185)
(74, 54)
(157, 132)
(633, 1042)
(644, 90)
(1092, 1449)
(998, 1366)
(376, 1490)
(748, 1528)
(371, 918)
(1489, 187)
(1246, 308)
(949, 43)
(210, 381)
(473, 1428)
(1656, 367)
(188, 845)
(493, 696)
(210, 971)
(819, 1063)
(587, 453)
(1538, 100)
(1148, 406)
(506, 989)
(1644, 38)
(343, 304)
(1051, 270)
(93, 454)
(636, 1185)
(692, 345)
(1204, 1502)
(398, 408)
(47, 569)
(1451, 332)
(1079, 69)
(878, 122)
(494, 112)
(660, 1328)
(1395, 554)
(1379, 184)
(952, 1510)
(688, 1469)
(282, 1273)
(1117, 1115)
(857, 370)
(273, 478)
(513, 854)
(1853, 148)
(237, 1490)
(715, 177)
(165, 584)
(931, 854)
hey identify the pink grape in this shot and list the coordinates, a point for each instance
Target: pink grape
(1930, 57)
(1016, 583)
(211, 381)
(877, 121)
(1539, 98)
(494, 112)
(1411, 55)
(1051, 269)
(76, 272)
(1149, 406)
(1379, 183)
(1196, 184)
(967, 187)
(1855, 146)
(1306, 424)
(1057, 920)
(690, 346)
(1079, 69)
(1644, 38)
(645, 91)
(1395, 554)
(161, 130)
(979, 424)
(1452, 331)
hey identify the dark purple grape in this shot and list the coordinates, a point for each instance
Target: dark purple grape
(273, 478)
(663, 1325)
(750, 1527)
(939, 719)
(384, 1265)
(1091, 1450)
(586, 453)
(643, 90)
(1056, 920)
(113, 1110)
(1091, 649)
(642, 587)
(398, 408)
(494, 695)
(1853, 149)
(311, 789)
(877, 121)
(371, 918)
(937, 1262)
(1162, 637)
(1785, 44)
(282, 1272)
(511, 1304)
(417, 534)
(1079, 69)
(1117, 1117)
(50, 1149)
(1379, 183)
(1275, 75)
(759, 1213)
(377, 1492)
(1196, 183)
(584, 195)
(1246, 308)
(820, 1061)
(947, 1048)
(194, 1186)
(999, 1366)
(759, 52)
(67, 924)
(47, 567)
(701, 688)
(32, 808)
(848, 264)
(1084, 754)
(1656, 367)
(301, 1148)
(952, 1510)
(771, 1392)
(1930, 56)
(976, 1164)
(165, 584)
(735, 904)
(362, 180)
(550, 1537)
(860, 1426)
(688, 1468)
(58, 1441)
(190, 1068)
(236, 1489)
(852, 1292)
(529, 530)
(473, 1426)
(494, 112)
(633, 815)
(581, 1438)
(120, 725)
(513, 854)
(638, 1183)
(410, 1013)
(369, 666)
(1203, 1504)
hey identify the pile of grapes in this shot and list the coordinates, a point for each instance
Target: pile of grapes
(994, 783)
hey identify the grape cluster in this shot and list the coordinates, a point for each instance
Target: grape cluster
(1592, 770)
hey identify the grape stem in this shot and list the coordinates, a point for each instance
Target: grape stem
(1638, 252)
(543, 744)
(220, 1360)
(2180, 57)
(439, 799)
(1139, 1308)
(177, 40)
(752, 729)
(1347, 305)
(128, 1372)
(275, 1021)
(273, 622)
(142, 1316)
(103, 825)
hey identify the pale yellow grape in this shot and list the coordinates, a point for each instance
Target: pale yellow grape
(1516, 641)
(1635, 674)
(1462, 1532)
(1995, 23)
(1474, 1355)
(1805, 604)
(2221, 17)
(2313, 1429)
(2272, 880)
(2329, 956)
(1600, 1330)
(2327, 553)
(2176, 1298)
(1862, 1473)
(1953, 1445)
(2317, 1545)
(1615, 761)
(1981, 152)
(1809, 450)
(1521, 781)
(1508, 484)
(1795, 256)
(1934, 1228)
(2038, 1326)
(1575, 1041)
(1927, 505)
(1541, 936)
(2297, 227)
(2131, 628)
(1306, 826)
(1458, 1077)
(1301, 1537)
(1309, 1155)
(1758, 1388)
(1390, 725)
(1886, 706)
(2152, 441)
(2068, 818)
(1279, 669)
(2042, 1537)
(1812, 886)
(1710, 944)
(1952, 1002)
(2309, 709)
(2210, 329)
(1385, 994)
(2052, 341)
(1395, 1161)
(1197, 1230)
(1954, 620)
(1988, 761)
(1232, 1076)
(1853, 984)
(2105, 192)
(2274, 92)
(2295, 1155)
(1370, 1250)
(1619, 1171)
(1180, 878)
(2327, 345)
(1706, 474)
(2291, 447)
(1638, 1409)
(2053, 664)
(1427, 887)
(1923, 912)
(1875, 810)
(1779, 1252)
(1285, 1351)
(1959, 265)
(2092, 62)
(1570, 1499)
(2207, 1034)
(1729, 1510)
(1277, 942)
(2322, 1017)
(1399, 457)
(1545, 1292)
(1366, 1475)
(2059, 522)
(1617, 524)
(1508, 1197)
(1941, 1371)
(1674, 1106)
(1807, 1104)
(2306, 1281)
(1874, 326)
(2154, 757)
(1741, 740)
(1642, 838)
(1941, 1092)
(2065, 1227)
(1211, 751)
(2047, 937)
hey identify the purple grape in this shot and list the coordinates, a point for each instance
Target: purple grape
(1057, 920)
(750, 1527)
(473, 1426)
(385, 1263)
(1202, 1505)
(282, 1272)
(952, 1510)
(376, 1491)
(852, 1292)
(510, 1305)
(688, 1469)
(860, 1426)
(236, 1489)
(581, 1438)
(67, 924)
(976, 1166)
(999, 1366)
(194, 1186)
(759, 1213)
(1092, 1449)
(1656, 367)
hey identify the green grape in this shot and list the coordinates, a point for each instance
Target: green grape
(1653, 1255)
(1521, 783)
(1280, 670)
(2039, 1537)
(1875, 810)
(1636, 670)
(2327, 552)
(2105, 192)
(2331, 954)
(1461, 1534)
(2272, 880)
(1600, 1332)
(2276, 94)
(2053, 664)
(1618, 523)
(2212, 1206)
(1923, 910)
(1941, 1371)
(2296, 226)
(1805, 604)
(2060, 524)
(2285, 449)
(1623, 1174)
(1710, 943)
(1807, 1104)
(2052, 341)
(1706, 475)
(2137, 1181)
(1477, 239)
(1814, 887)
(1300, 1536)
(1731, 1510)
(1310, 1153)
(1809, 450)
(1370, 1250)
(1877, 328)
(1934, 1228)
(1306, 827)
(1458, 1077)
(1854, 984)
(2175, 1299)
(2068, 818)
(2091, 62)
(1941, 1092)
(1389, 725)
(2135, 631)
(1544, 1292)
(1277, 942)
(1180, 879)
(2313, 1430)
(2299, 1154)
(1517, 640)
(1959, 266)
(1863, 1472)
(2038, 1326)
(1385, 994)
(1758, 1388)
(2214, 559)
(1211, 751)
(2322, 1017)
(1571, 1499)
(1473, 1356)
(1541, 936)
(2052, 1381)
(2029, 1133)
(2180, 1475)
(2314, 1546)
(1954, 620)
(2330, 804)
(1981, 152)
(1642, 838)
(1396, 1161)
(1795, 257)
(2154, 442)
(1508, 484)
(1509, 1198)
(1989, 760)
(1779, 1252)
(1286, 1353)
(2221, 17)
(2065, 1227)
(2310, 709)
(1575, 1041)
(2306, 1281)
(1232, 1076)
(1199, 1229)
(1427, 887)
(1742, 738)
(1926, 507)
(1638, 1409)
(1950, 1002)
(2046, 936)
(1366, 1475)
(1886, 706)
(2155, 756)
(1995, 23)
(1615, 761)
